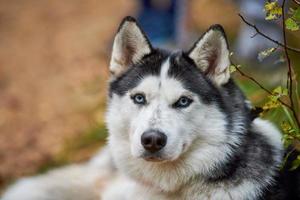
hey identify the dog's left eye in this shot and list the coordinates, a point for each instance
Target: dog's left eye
(182, 102)
(139, 99)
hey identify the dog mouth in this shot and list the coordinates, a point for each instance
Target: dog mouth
(153, 157)
(160, 156)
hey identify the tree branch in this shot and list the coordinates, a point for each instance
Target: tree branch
(268, 37)
(290, 70)
(261, 86)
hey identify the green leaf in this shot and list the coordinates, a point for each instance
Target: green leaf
(296, 14)
(286, 127)
(280, 91)
(270, 5)
(290, 24)
(273, 101)
(265, 53)
(273, 10)
(232, 68)
(271, 104)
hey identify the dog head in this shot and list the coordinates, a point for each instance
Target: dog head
(170, 107)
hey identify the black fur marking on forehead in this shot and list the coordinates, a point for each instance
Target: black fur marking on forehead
(184, 70)
(149, 65)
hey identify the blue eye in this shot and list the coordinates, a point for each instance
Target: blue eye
(182, 102)
(139, 99)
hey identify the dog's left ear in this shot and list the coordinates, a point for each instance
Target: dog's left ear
(211, 55)
(129, 47)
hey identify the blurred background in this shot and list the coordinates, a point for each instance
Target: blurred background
(54, 59)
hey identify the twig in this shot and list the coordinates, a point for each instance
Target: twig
(261, 86)
(255, 34)
(297, 2)
(290, 70)
(268, 37)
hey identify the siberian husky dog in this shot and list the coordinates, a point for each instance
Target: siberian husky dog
(179, 129)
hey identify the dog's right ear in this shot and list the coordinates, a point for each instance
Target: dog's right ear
(130, 46)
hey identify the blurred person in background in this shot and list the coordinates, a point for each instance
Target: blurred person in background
(164, 22)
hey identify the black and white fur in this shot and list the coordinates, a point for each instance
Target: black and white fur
(214, 149)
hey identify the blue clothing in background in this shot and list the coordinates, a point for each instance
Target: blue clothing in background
(158, 22)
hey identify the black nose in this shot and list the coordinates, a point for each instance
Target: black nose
(153, 140)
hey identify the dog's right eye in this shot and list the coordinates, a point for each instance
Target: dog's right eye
(139, 99)
(182, 102)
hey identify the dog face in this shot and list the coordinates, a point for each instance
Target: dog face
(167, 106)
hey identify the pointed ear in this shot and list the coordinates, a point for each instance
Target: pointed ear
(129, 47)
(211, 55)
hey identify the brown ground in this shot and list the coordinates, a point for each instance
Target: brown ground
(53, 67)
(53, 70)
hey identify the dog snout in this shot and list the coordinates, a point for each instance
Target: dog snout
(153, 140)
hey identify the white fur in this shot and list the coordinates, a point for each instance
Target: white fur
(75, 182)
(127, 123)
(269, 131)
(56, 185)
(273, 136)
(161, 92)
